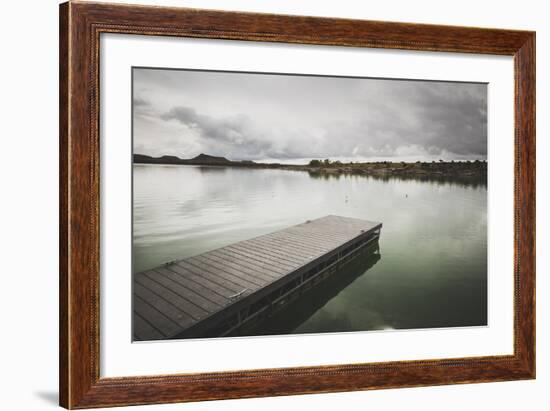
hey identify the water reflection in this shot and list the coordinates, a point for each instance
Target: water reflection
(434, 238)
(430, 179)
(211, 169)
(299, 311)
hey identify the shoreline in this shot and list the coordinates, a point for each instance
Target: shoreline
(463, 170)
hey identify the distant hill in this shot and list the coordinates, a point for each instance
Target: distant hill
(201, 159)
(144, 159)
(450, 170)
(170, 159)
(208, 159)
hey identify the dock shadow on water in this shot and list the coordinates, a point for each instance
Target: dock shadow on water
(291, 316)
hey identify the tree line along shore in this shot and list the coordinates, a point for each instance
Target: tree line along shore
(429, 169)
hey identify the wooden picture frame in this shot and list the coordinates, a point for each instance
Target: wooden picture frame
(80, 27)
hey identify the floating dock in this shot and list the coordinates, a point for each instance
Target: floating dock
(220, 292)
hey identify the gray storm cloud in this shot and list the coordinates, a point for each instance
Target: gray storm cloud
(284, 117)
(233, 135)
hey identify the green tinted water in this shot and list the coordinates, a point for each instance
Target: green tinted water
(432, 267)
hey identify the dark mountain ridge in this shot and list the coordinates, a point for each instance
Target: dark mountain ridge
(201, 159)
(462, 170)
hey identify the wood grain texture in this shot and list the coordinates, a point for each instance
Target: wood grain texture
(63, 205)
(525, 204)
(80, 27)
(209, 305)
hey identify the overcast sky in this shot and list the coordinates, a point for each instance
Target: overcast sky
(296, 118)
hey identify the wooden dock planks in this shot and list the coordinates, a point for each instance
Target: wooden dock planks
(189, 293)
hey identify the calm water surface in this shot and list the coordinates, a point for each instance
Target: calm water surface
(432, 267)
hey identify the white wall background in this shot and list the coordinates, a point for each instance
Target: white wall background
(28, 217)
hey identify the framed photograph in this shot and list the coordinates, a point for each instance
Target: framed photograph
(258, 205)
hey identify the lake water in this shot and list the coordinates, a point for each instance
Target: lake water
(431, 270)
